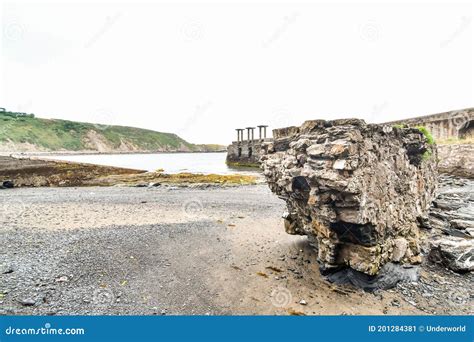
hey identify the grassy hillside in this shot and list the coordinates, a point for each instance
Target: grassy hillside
(20, 132)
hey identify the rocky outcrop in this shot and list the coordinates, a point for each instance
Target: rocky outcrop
(33, 172)
(357, 191)
(457, 159)
(453, 252)
(450, 240)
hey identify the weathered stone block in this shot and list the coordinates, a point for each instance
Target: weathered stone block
(356, 190)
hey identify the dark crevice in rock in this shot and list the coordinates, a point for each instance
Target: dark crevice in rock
(363, 234)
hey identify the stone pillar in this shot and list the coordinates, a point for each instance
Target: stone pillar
(238, 134)
(264, 129)
(250, 133)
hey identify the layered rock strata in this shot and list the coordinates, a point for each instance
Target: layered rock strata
(358, 191)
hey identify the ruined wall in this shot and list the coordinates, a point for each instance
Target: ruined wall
(357, 191)
(246, 153)
(453, 124)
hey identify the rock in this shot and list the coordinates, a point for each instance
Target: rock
(28, 302)
(5, 269)
(359, 192)
(399, 249)
(455, 253)
(303, 302)
(8, 184)
(62, 279)
(388, 277)
(462, 224)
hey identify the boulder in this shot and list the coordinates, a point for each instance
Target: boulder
(8, 184)
(454, 253)
(358, 191)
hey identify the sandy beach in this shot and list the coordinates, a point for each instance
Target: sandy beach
(169, 250)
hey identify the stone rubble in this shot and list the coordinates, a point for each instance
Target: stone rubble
(358, 191)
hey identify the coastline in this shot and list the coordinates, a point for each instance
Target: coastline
(36, 172)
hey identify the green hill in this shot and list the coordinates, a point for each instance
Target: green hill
(24, 132)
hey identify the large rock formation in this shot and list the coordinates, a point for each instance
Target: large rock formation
(357, 191)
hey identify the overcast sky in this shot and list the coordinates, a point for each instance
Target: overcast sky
(202, 70)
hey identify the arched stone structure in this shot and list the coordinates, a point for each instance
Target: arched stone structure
(453, 124)
(467, 130)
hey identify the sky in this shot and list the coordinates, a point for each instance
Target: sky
(201, 70)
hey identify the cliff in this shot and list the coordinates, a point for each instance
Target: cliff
(25, 133)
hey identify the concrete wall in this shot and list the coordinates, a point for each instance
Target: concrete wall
(453, 124)
(247, 152)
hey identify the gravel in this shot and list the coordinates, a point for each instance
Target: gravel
(71, 254)
(172, 251)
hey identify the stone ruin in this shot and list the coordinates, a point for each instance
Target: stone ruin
(358, 191)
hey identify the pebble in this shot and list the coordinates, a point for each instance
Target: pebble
(303, 302)
(5, 269)
(395, 302)
(62, 279)
(28, 302)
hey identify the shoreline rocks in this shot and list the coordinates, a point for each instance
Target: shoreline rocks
(457, 159)
(30, 172)
(450, 238)
(358, 191)
(8, 184)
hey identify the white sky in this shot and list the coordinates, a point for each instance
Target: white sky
(202, 70)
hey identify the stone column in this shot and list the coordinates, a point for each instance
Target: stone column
(250, 133)
(238, 134)
(264, 129)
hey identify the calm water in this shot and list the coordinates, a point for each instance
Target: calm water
(170, 162)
